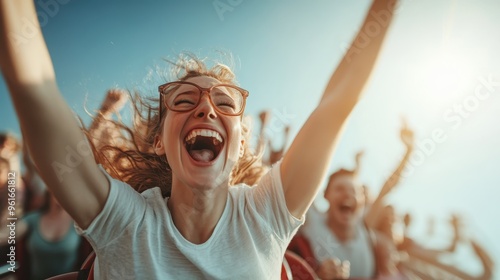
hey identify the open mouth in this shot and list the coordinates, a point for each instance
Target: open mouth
(203, 145)
(346, 208)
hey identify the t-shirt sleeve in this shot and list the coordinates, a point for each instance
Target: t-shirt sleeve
(123, 206)
(270, 204)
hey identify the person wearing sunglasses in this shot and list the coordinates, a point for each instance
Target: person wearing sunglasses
(210, 225)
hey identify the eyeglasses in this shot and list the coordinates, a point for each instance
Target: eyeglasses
(185, 96)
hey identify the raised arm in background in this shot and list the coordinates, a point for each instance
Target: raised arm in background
(306, 162)
(414, 248)
(373, 213)
(103, 131)
(276, 155)
(357, 159)
(58, 146)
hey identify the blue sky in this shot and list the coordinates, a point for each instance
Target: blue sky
(435, 58)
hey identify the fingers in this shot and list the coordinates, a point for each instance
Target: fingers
(115, 100)
(406, 133)
(345, 270)
(264, 116)
(115, 94)
(334, 269)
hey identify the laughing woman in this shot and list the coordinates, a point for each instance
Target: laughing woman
(210, 225)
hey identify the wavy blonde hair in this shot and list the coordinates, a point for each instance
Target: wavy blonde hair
(134, 161)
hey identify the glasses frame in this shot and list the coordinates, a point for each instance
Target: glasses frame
(202, 90)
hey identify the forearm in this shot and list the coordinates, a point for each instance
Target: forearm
(306, 162)
(395, 177)
(24, 58)
(373, 214)
(45, 119)
(347, 82)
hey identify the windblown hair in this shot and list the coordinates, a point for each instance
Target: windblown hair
(132, 159)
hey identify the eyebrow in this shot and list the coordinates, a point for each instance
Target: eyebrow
(220, 91)
(186, 92)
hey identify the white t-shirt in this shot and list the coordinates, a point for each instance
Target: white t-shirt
(325, 245)
(134, 236)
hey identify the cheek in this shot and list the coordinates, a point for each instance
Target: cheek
(170, 134)
(235, 136)
(332, 198)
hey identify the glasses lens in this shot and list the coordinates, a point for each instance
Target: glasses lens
(185, 97)
(227, 99)
(181, 97)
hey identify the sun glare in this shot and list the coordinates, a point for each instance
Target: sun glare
(446, 74)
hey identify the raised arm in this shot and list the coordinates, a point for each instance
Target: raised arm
(358, 157)
(456, 224)
(103, 131)
(56, 143)
(113, 102)
(264, 117)
(374, 211)
(306, 162)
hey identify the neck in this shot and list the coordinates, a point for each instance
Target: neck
(195, 212)
(344, 233)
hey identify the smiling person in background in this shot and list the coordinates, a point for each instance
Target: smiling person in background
(344, 233)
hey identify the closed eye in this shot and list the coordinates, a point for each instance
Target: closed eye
(183, 101)
(185, 98)
(222, 99)
(226, 103)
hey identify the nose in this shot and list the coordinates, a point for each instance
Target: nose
(205, 108)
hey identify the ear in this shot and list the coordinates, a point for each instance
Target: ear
(158, 146)
(242, 148)
(325, 192)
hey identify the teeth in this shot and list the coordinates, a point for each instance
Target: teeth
(190, 138)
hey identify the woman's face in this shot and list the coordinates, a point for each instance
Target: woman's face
(201, 145)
